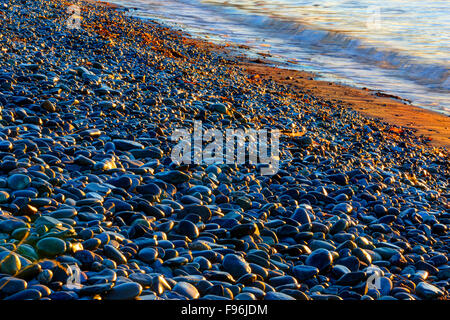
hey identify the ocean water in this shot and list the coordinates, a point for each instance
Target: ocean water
(400, 47)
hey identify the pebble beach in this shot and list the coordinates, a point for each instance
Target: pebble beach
(87, 180)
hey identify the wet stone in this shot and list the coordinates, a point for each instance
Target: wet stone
(18, 181)
(277, 296)
(5, 145)
(148, 255)
(114, 254)
(301, 215)
(9, 262)
(304, 272)
(342, 207)
(428, 291)
(186, 289)
(95, 289)
(188, 229)
(174, 176)
(143, 279)
(203, 211)
(340, 179)
(28, 294)
(151, 152)
(126, 145)
(243, 230)
(11, 285)
(351, 278)
(48, 106)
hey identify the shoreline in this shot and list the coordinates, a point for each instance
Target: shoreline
(433, 126)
